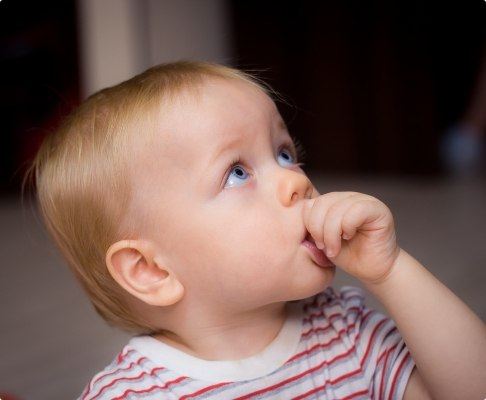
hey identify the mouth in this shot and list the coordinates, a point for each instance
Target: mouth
(317, 255)
(308, 237)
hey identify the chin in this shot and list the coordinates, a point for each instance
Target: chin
(322, 282)
(314, 288)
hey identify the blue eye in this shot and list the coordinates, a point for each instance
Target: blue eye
(240, 174)
(289, 155)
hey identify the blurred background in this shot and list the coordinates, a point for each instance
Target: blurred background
(388, 98)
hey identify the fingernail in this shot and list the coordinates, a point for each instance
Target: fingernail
(329, 253)
(319, 245)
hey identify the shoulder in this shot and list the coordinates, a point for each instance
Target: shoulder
(345, 309)
(129, 370)
(344, 314)
(367, 334)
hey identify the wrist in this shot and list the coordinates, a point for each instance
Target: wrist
(387, 278)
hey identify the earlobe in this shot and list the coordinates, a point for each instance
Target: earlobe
(136, 267)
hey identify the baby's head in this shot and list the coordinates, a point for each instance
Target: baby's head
(178, 194)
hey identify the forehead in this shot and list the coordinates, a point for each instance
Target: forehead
(197, 123)
(220, 111)
(226, 107)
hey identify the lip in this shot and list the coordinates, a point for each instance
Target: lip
(317, 255)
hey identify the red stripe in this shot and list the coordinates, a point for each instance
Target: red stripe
(385, 353)
(321, 329)
(384, 370)
(330, 324)
(321, 314)
(368, 347)
(351, 396)
(122, 356)
(323, 345)
(148, 389)
(204, 390)
(90, 385)
(325, 328)
(85, 392)
(318, 345)
(306, 320)
(319, 388)
(120, 369)
(397, 374)
(365, 391)
(291, 379)
(126, 378)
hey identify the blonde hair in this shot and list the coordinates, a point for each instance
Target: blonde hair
(81, 171)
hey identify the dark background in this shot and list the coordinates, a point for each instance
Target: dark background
(376, 82)
(373, 85)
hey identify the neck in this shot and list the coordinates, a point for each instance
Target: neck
(212, 337)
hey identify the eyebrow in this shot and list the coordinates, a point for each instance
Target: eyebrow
(232, 143)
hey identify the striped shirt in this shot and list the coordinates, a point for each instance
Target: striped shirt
(331, 346)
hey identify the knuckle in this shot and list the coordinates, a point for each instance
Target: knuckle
(333, 208)
(362, 204)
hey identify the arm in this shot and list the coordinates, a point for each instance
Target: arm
(415, 389)
(446, 340)
(449, 346)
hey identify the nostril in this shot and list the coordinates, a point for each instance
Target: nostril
(293, 198)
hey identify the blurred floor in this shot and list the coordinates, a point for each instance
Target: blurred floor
(52, 341)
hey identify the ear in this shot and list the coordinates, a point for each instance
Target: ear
(136, 266)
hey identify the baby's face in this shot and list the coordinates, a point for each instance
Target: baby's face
(231, 233)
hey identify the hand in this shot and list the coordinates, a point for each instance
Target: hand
(369, 247)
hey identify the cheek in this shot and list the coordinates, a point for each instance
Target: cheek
(253, 244)
(233, 249)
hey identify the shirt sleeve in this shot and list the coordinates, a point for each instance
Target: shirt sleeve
(383, 355)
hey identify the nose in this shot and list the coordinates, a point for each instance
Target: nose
(292, 187)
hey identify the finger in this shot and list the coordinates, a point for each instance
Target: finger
(332, 228)
(360, 214)
(315, 215)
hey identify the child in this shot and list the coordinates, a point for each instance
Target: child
(178, 199)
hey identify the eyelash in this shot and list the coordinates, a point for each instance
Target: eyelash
(299, 155)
